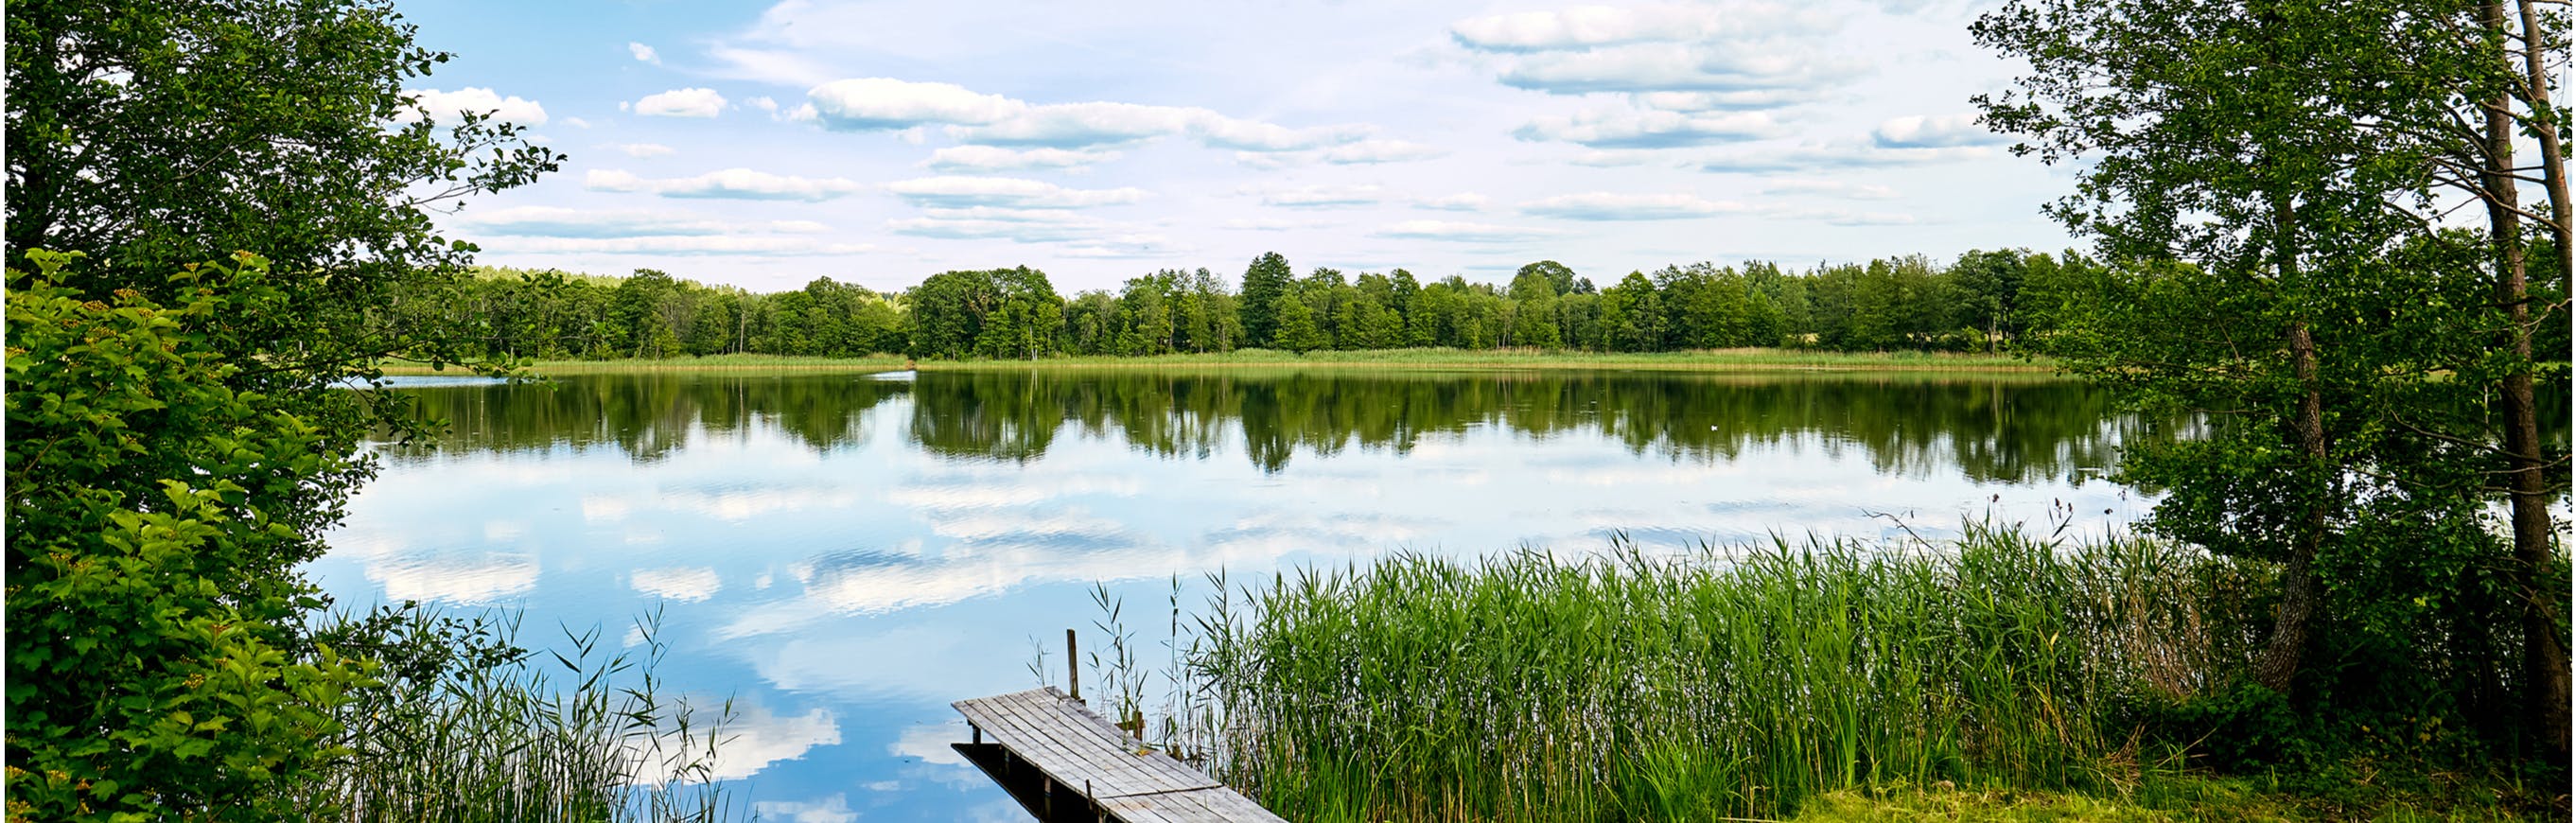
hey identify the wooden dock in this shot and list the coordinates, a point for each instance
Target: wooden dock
(1066, 764)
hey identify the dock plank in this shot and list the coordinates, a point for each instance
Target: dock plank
(1078, 750)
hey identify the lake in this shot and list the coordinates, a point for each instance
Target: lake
(845, 554)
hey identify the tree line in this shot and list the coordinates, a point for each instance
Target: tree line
(1982, 301)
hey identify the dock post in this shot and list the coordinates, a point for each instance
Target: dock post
(1072, 667)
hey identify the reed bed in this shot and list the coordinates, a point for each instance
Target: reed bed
(1724, 683)
(465, 727)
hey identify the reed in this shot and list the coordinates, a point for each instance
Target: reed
(1723, 683)
(463, 727)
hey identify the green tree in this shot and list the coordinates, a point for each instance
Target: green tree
(1265, 283)
(156, 521)
(1298, 331)
(2292, 154)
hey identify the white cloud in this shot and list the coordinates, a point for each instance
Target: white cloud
(833, 809)
(643, 149)
(1586, 27)
(683, 583)
(1324, 197)
(1382, 151)
(690, 102)
(1831, 188)
(1609, 206)
(1720, 100)
(1224, 132)
(448, 106)
(551, 221)
(678, 246)
(1814, 157)
(1650, 129)
(1459, 232)
(1933, 132)
(1666, 67)
(576, 122)
(1074, 125)
(1005, 192)
(995, 158)
(885, 104)
(1462, 201)
(1613, 159)
(1269, 224)
(644, 53)
(729, 184)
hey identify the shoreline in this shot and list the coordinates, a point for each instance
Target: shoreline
(1716, 361)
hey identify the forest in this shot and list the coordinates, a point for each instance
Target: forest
(1982, 301)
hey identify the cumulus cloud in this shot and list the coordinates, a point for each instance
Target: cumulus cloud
(1074, 125)
(677, 246)
(1324, 197)
(690, 102)
(1933, 132)
(1269, 224)
(1609, 206)
(1005, 192)
(1382, 151)
(1664, 67)
(1842, 217)
(551, 221)
(1815, 157)
(643, 149)
(729, 184)
(995, 158)
(449, 106)
(1650, 129)
(1831, 188)
(1459, 232)
(1586, 27)
(1752, 99)
(644, 53)
(886, 104)
(1462, 201)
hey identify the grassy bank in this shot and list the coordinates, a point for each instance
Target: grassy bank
(1725, 360)
(726, 363)
(1976, 679)
(1524, 359)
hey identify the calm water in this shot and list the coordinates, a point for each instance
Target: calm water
(846, 554)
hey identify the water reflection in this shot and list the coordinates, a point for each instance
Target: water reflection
(1988, 429)
(846, 554)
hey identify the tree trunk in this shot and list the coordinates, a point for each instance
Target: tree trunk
(2279, 661)
(2544, 651)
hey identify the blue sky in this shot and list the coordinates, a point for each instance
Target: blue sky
(878, 142)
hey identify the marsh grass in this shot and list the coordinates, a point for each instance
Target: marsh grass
(463, 727)
(1721, 683)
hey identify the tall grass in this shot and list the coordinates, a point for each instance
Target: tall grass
(1722, 683)
(464, 727)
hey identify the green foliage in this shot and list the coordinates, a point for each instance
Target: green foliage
(1265, 283)
(154, 535)
(1297, 329)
